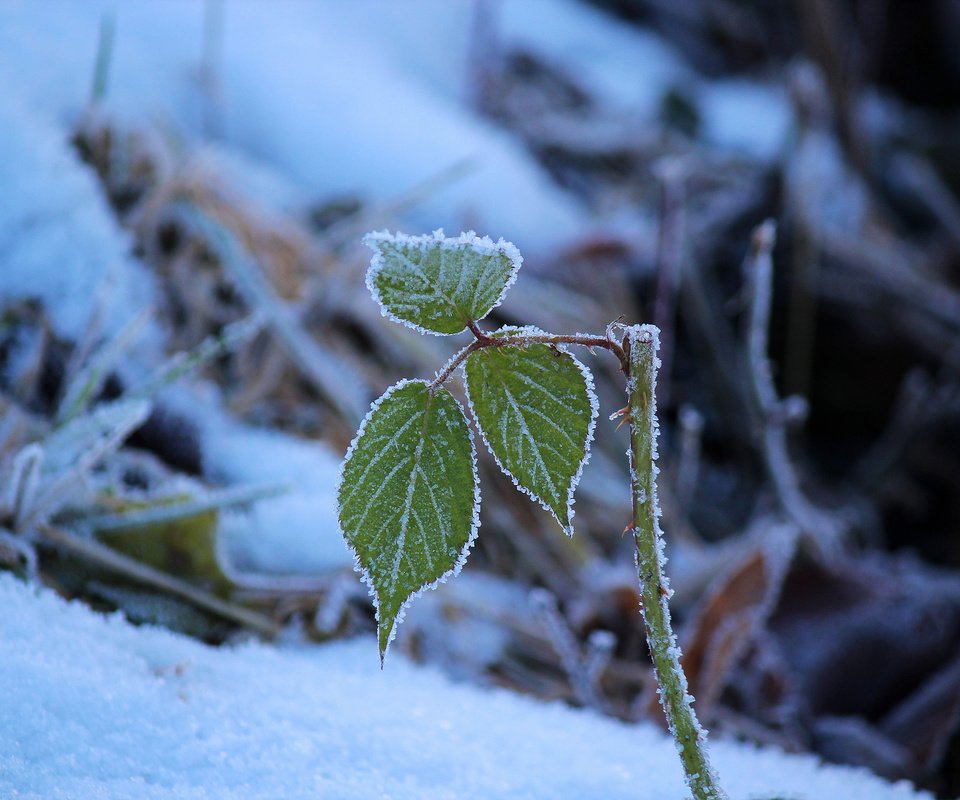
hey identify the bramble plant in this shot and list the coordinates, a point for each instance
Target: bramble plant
(409, 494)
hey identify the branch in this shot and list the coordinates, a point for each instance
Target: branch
(776, 414)
(483, 340)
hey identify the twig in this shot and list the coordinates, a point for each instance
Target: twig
(103, 556)
(670, 173)
(210, 348)
(330, 611)
(688, 466)
(928, 188)
(775, 413)
(483, 340)
(655, 591)
(347, 230)
(210, 61)
(712, 330)
(101, 69)
(72, 451)
(599, 650)
(22, 486)
(582, 670)
(483, 57)
(18, 548)
(920, 404)
(89, 380)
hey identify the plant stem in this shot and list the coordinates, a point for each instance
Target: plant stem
(642, 343)
(483, 340)
(638, 358)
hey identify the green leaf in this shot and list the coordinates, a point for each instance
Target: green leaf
(536, 411)
(409, 496)
(439, 285)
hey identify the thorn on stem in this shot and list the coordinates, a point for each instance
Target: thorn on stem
(623, 414)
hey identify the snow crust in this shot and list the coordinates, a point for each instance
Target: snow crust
(95, 708)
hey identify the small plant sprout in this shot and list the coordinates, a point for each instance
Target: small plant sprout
(409, 494)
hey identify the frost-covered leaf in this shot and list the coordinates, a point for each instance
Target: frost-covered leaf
(536, 411)
(439, 285)
(408, 496)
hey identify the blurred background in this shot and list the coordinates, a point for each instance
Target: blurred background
(187, 344)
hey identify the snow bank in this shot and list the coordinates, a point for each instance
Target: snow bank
(293, 533)
(95, 708)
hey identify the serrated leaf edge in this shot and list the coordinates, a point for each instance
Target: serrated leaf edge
(464, 551)
(591, 427)
(481, 244)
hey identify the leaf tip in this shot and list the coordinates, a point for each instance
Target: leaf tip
(383, 642)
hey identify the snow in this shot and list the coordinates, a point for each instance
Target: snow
(625, 67)
(102, 709)
(59, 242)
(295, 533)
(746, 117)
(300, 85)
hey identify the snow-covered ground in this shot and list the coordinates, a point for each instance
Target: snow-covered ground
(95, 708)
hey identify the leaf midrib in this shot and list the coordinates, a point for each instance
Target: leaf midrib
(408, 502)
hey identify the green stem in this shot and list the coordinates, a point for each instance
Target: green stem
(643, 342)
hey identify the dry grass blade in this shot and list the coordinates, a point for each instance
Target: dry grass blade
(84, 388)
(210, 348)
(167, 512)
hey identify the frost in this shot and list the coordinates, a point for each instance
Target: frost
(436, 284)
(536, 410)
(22, 483)
(70, 452)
